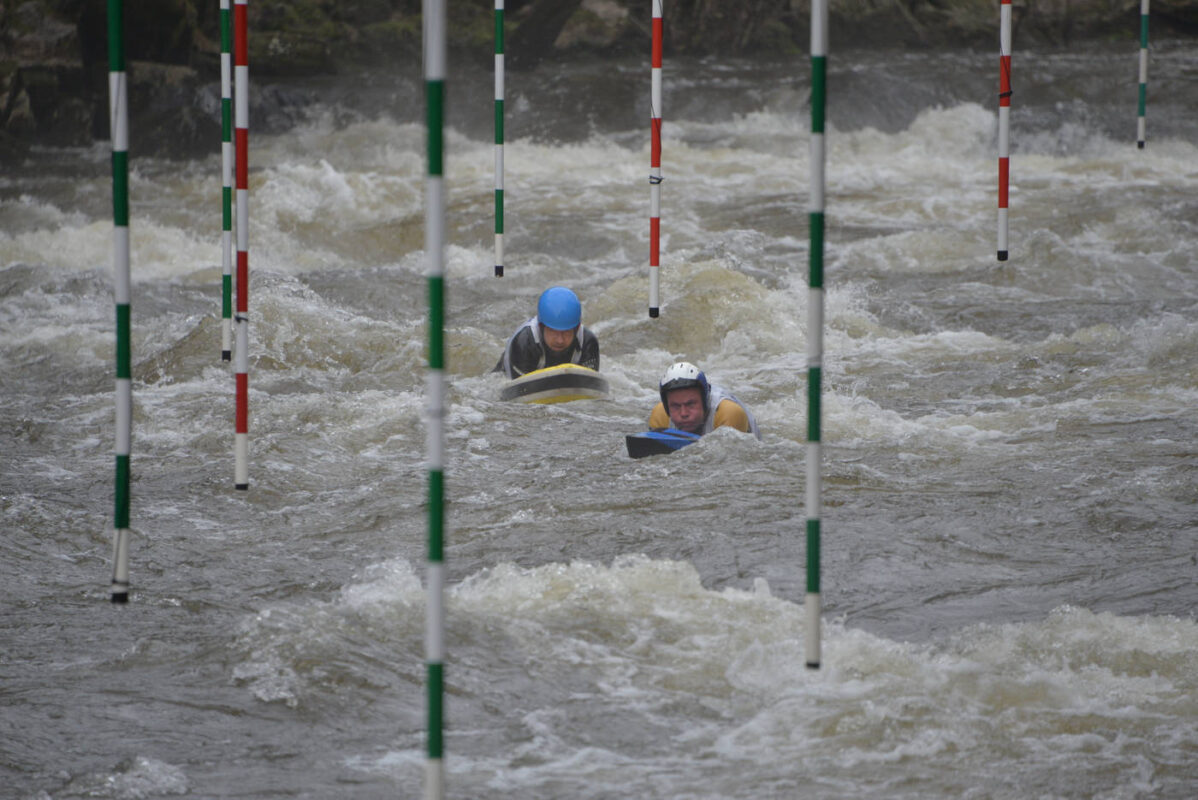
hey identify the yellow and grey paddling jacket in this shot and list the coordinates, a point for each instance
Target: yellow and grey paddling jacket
(733, 413)
(717, 395)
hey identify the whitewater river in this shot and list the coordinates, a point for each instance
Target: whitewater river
(1010, 524)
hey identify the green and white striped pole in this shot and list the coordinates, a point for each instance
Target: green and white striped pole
(118, 109)
(815, 324)
(1140, 124)
(226, 158)
(498, 138)
(434, 248)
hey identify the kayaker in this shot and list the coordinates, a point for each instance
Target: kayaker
(554, 336)
(689, 402)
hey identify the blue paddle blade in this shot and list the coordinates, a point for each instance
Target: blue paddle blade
(651, 443)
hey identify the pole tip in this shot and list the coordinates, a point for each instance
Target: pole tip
(1140, 144)
(226, 355)
(812, 665)
(653, 312)
(1002, 255)
(241, 486)
(120, 597)
(499, 270)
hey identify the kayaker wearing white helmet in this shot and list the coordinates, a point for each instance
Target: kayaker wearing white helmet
(689, 402)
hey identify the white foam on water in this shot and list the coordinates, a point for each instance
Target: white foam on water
(294, 651)
(136, 778)
(718, 677)
(1001, 440)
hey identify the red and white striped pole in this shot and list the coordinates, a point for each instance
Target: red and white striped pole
(1004, 122)
(241, 73)
(655, 163)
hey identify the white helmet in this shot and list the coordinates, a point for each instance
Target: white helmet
(683, 375)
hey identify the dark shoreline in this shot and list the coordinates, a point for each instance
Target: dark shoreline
(53, 53)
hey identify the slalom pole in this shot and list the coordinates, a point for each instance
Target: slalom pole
(655, 162)
(815, 325)
(1140, 124)
(118, 108)
(226, 171)
(241, 71)
(498, 138)
(1004, 122)
(434, 248)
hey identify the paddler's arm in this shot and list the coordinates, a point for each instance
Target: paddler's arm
(524, 353)
(730, 413)
(590, 350)
(658, 418)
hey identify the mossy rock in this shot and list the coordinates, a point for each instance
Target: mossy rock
(393, 39)
(293, 53)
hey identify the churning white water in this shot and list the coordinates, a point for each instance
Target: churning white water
(1011, 477)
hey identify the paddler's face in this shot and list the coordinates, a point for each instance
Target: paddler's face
(685, 407)
(557, 341)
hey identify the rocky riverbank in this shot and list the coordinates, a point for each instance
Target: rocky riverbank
(53, 53)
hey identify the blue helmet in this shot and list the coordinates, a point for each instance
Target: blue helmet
(684, 375)
(560, 309)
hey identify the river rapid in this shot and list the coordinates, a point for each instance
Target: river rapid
(1010, 521)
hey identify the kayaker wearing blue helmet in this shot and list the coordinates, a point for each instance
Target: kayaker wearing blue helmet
(689, 402)
(554, 336)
